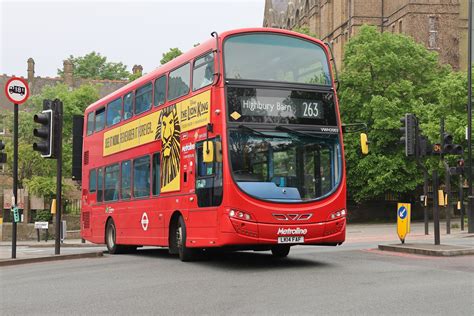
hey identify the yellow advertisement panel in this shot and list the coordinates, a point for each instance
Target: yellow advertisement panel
(403, 220)
(165, 125)
(135, 133)
(195, 112)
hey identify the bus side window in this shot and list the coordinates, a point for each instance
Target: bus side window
(126, 180)
(100, 184)
(178, 83)
(111, 183)
(92, 181)
(143, 98)
(203, 71)
(141, 177)
(160, 90)
(114, 112)
(90, 123)
(156, 174)
(99, 119)
(208, 179)
(128, 106)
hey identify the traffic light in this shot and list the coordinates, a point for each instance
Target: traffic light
(409, 133)
(449, 147)
(3, 156)
(459, 169)
(45, 131)
(424, 146)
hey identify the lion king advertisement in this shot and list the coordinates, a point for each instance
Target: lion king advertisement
(166, 126)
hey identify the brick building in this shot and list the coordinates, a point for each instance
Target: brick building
(441, 25)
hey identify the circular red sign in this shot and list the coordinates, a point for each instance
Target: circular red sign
(17, 90)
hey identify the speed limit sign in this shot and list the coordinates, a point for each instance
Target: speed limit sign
(17, 90)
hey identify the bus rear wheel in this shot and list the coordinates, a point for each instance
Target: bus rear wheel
(110, 240)
(280, 251)
(185, 253)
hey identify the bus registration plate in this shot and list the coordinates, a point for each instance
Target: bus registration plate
(291, 240)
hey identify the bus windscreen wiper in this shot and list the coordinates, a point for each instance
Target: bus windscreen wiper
(253, 131)
(295, 132)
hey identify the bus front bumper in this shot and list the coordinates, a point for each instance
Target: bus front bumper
(241, 232)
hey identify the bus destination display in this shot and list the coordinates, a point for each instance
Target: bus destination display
(278, 107)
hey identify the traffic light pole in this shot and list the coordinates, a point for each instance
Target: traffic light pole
(436, 207)
(15, 174)
(58, 112)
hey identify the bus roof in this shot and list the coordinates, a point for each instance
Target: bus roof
(187, 56)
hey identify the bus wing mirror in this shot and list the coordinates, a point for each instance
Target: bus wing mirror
(364, 143)
(218, 151)
(208, 151)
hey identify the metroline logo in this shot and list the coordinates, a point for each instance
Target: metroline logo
(289, 231)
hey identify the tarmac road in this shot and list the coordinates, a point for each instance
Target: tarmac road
(353, 279)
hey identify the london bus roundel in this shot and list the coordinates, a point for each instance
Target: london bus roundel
(17, 90)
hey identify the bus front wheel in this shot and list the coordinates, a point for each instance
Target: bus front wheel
(280, 251)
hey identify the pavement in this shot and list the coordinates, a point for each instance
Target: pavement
(385, 235)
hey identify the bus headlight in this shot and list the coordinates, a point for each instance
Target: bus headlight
(338, 214)
(241, 215)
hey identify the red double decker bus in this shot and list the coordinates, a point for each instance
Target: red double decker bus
(236, 143)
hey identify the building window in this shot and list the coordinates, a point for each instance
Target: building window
(433, 32)
(400, 26)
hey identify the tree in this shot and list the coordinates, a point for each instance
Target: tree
(33, 170)
(304, 30)
(387, 75)
(170, 55)
(95, 66)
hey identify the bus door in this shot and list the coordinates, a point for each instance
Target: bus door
(208, 183)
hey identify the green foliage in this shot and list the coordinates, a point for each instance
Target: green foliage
(33, 170)
(43, 216)
(170, 55)
(387, 75)
(95, 66)
(134, 76)
(304, 30)
(45, 186)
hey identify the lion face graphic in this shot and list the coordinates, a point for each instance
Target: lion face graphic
(168, 131)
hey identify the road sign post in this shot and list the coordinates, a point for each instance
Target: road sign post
(403, 220)
(17, 91)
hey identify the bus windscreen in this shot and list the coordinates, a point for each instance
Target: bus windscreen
(272, 57)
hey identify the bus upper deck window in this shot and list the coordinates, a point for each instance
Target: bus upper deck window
(90, 123)
(99, 119)
(128, 106)
(178, 83)
(203, 72)
(114, 112)
(160, 90)
(143, 98)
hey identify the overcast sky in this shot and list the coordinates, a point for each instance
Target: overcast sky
(132, 32)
